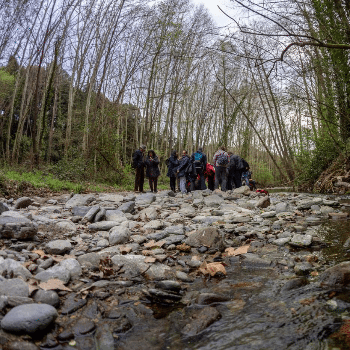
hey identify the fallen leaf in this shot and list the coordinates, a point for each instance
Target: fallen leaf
(39, 252)
(314, 273)
(32, 289)
(59, 258)
(152, 244)
(150, 260)
(238, 251)
(54, 283)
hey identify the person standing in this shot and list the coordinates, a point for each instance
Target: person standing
(237, 169)
(138, 164)
(220, 161)
(173, 163)
(152, 170)
(199, 159)
(181, 170)
(210, 175)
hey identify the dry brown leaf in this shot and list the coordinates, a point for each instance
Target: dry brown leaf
(212, 268)
(59, 258)
(54, 283)
(238, 251)
(314, 273)
(32, 289)
(146, 252)
(150, 260)
(39, 252)
(152, 244)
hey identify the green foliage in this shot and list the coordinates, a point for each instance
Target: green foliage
(40, 180)
(313, 162)
(262, 174)
(70, 169)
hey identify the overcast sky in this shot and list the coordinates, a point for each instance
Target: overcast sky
(212, 6)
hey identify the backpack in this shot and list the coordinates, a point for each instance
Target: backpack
(191, 170)
(198, 160)
(222, 159)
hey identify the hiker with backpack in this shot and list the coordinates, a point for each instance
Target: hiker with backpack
(209, 174)
(152, 170)
(235, 170)
(172, 162)
(221, 161)
(181, 170)
(138, 164)
(199, 159)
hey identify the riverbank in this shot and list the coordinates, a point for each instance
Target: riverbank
(139, 271)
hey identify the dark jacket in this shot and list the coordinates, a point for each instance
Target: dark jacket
(152, 169)
(184, 161)
(138, 159)
(236, 163)
(173, 163)
(203, 161)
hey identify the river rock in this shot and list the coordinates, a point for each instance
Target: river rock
(23, 202)
(253, 261)
(154, 225)
(213, 200)
(29, 318)
(268, 214)
(90, 260)
(115, 215)
(57, 271)
(208, 237)
(19, 227)
(337, 276)
(72, 266)
(21, 345)
(131, 264)
(14, 287)
(13, 268)
(103, 225)
(79, 200)
(299, 240)
(80, 211)
(90, 215)
(158, 272)
(149, 213)
(49, 297)
(263, 202)
(58, 247)
(66, 226)
(111, 197)
(175, 230)
(200, 320)
(242, 190)
(145, 199)
(169, 285)
(118, 235)
(3, 207)
(127, 207)
(282, 207)
(210, 298)
(308, 203)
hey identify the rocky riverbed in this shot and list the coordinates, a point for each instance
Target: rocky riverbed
(233, 270)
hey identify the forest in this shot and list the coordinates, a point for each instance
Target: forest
(84, 82)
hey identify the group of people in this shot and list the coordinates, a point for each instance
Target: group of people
(226, 170)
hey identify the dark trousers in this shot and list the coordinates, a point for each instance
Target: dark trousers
(230, 181)
(173, 184)
(139, 179)
(211, 184)
(220, 177)
(201, 179)
(237, 178)
(153, 181)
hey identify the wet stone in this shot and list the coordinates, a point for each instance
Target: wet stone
(211, 298)
(84, 326)
(71, 305)
(65, 335)
(169, 285)
(21, 345)
(121, 325)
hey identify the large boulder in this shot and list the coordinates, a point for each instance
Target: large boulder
(242, 190)
(3, 207)
(132, 265)
(337, 277)
(79, 200)
(19, 227)
(115, 215)
(148, 213)
(209, 237)
(29, 318)
(300, 240)
(263, 202)
(127, 207)
(309, 202)
(111, 197)
(73, 267)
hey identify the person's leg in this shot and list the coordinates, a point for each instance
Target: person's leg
(155, 183)
(173, 184)
(183, 184)
(211, 183)
(202, 180)
(137, 180)
(229, 182)
(192, 184)
(217, 177)
(237, 179)
(150, 181)
(223, 179)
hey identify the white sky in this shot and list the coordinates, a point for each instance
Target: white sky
(220, 19)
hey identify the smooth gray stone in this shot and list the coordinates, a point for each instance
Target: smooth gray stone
(145, 199)
(119, 235)
(336, 276)
(158, 272)
(56, 271)
(80, 211)
(71, 304)
(131, 264)
(154, 225)
(182, 276)
(213, 201)
(175, 230)
(29, 318)
(100, 215)
(209, 237)
(299, 240)
(21, 345)
(309, 202)
(14, 301)
(90, 260)
(174, 286)
(79, 200)
(282, 207)
(89, 216)
(253, 261)
(14, 287)
(127, 207)
(23, 202)
(115, 215)
(58, 247)
(13, 268)
(18, 227)
(103, 225)
(3, 207)
(173, 239)
(73, 266)
(47, 297)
